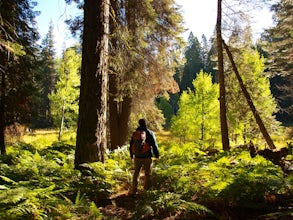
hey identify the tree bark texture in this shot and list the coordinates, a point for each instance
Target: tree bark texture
(119, 110)
(91, 132)
(119, 116)
(222, 98)
(249, 100)
(2, 106)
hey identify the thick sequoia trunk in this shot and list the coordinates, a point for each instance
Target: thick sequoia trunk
(249, 101)
(222, 98)
(119, 116)
(91, 131)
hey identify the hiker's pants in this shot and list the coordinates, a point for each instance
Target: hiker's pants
(146, 163)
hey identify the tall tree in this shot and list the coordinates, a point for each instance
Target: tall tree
(211, 63)
(205, 48)
(222, 98)
(278, 45)
(235, 15)
(145, 48)
(279, 39)
(91, 139)
(47, 77)
(64, 101)
(194, 62)
(18, 36)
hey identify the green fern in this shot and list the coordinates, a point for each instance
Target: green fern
(13, 196)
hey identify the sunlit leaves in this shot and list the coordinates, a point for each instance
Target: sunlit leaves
(241, 121)
(64, 101)
(197, 118)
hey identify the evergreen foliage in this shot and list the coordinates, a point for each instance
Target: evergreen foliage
(194, 62)
(46, 82)
(277, 42)
(146, 41)
(164, 103)
(18, 37)
(279, 39)
(198, 56)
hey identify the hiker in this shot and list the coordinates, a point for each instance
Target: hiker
(142, 146)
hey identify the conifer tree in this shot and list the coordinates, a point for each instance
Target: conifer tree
(47, 78)
(194, 62)
(18, 37)
(279, 39)
(142, 61)
(220, 62)
(145, 43)
(91, 139)
(205, 48)
(233, 15)
(278, 45)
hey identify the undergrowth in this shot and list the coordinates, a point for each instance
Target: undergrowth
(40, 182)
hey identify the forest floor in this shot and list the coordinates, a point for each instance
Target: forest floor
(122, 206)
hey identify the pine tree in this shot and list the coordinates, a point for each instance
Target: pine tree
(194, 62)
(145, 43)
(18, 38)
(145, 50)
(205, 48)
(278, 45)
(47, 78)
(279, 39)
(211, 65)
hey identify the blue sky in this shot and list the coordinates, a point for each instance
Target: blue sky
(199, 15)
(56, 11)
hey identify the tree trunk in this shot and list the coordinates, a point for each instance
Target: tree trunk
(119, 118)
(249, 100)
(2, 114)
(222, 98)
(119, 115)
(202, 116)
(119, 110)
(91, 131)
(62, 121)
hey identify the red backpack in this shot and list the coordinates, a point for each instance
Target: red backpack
(140, 147)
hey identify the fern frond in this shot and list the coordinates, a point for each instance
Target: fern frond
(7, 180)
(12, 196)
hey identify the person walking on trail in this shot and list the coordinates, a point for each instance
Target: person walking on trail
(143, 145)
